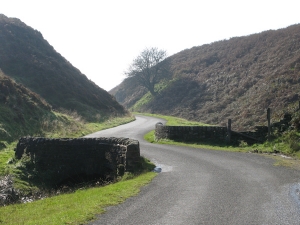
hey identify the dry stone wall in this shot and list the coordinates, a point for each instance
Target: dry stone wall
(56, 160)
(209, 133)
(190, 133)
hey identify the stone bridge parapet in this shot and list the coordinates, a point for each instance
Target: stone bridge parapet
(190, 133)
(209, 133)
(57, 160)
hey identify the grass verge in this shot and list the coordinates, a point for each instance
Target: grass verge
(150, 137)
(75, 208)
(65, 127)
(71, 208)
(71, 126)
(175, 121)
(281, 144)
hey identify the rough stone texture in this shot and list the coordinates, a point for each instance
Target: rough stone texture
(190, 133)
(284, 123)
(7, 192)
(57, 160)
(204, 133)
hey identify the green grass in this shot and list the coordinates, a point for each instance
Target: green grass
(6, 156)
(285, 144)
(147, 98)
(143, 101)
(175, 121)
(71, 126)
(150, 137)
(74, 208)
(113, 122)
(65, 126)
(82, 205)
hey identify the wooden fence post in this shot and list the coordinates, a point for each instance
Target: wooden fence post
(269, 122)
(229, 130)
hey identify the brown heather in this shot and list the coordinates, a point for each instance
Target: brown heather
(237, 78)
(30, 60)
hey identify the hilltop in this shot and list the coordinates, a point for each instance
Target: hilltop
(237, 78)
(31, 61)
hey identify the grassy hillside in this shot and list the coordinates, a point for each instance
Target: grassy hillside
(237, 78)
(30, 60)
(22, 111)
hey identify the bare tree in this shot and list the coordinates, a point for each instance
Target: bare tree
(149, 67)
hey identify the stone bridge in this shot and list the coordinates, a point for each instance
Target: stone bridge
(57, 160)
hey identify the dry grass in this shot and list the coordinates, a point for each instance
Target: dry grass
(237, 78)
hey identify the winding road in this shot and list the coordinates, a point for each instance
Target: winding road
(199, 186)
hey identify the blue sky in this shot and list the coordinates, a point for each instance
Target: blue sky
(101, 38)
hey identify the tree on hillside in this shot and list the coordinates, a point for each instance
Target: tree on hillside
(149, 67)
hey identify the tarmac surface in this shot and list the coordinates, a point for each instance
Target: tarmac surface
(200, 186)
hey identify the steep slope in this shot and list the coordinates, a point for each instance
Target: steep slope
(22, 111)
(237, 78)
(28, 58)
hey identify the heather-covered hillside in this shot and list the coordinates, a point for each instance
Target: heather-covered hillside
(237, 78)
(30, 60)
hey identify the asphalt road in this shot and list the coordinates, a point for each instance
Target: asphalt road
(199, 186)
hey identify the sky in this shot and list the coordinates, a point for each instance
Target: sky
(101, 38)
